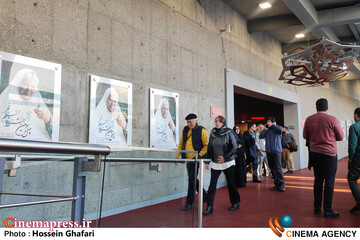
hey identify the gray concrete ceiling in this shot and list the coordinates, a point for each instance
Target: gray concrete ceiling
(334, 19)
(337, 20)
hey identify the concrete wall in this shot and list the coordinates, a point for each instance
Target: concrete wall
(174, 45)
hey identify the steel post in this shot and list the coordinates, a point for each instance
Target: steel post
(79, 184)
(201, 187)
(2, 170)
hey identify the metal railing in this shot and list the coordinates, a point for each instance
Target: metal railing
(79, 154)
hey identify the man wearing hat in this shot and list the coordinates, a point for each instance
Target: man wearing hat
(193, 138)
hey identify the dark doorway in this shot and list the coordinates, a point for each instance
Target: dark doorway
(249, 109)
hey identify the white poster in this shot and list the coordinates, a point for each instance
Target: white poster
(29, 98)
(164, 119)
(343, 126)
(110, 112)
(348, 124)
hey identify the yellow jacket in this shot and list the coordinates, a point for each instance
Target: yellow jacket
(189, 146)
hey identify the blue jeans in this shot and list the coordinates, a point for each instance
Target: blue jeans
(263, 159)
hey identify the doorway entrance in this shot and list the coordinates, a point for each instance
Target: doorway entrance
(248, 110)
(255, 93)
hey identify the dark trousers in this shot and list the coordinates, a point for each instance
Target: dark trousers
(324, 171)
(353, 176)
(233, 193)
(256, 170)
(275, 165)
(240, 170)
(192, 178)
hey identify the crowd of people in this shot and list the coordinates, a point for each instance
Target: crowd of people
(263, 150)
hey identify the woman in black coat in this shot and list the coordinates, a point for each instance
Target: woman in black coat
(240, 160)
(222, 150)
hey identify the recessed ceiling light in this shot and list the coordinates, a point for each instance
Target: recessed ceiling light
(299, 35)
(264, 5)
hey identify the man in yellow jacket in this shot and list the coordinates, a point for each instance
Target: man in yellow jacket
(193, 138)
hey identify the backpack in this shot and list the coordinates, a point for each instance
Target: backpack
(293, 146)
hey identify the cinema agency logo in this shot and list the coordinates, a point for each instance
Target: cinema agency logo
(278, 225)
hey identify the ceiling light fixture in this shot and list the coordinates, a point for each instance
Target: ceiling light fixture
(299, 35)
(265, 5)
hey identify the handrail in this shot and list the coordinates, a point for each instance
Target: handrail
(22, 146)
(26, 146)
(81, 166)
(35, 194)
(37, 202)
(122, 148)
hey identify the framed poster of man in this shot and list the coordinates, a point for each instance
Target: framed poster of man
(164, 119)
(110, 111)
(30, 92)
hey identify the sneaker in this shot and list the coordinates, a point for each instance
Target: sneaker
(282, 189)
(355, 209)
(274, 188)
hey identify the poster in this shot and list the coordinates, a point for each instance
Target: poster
(342, 124)
(348, 124)
(30, 92)
(110, 112)
(164, 119)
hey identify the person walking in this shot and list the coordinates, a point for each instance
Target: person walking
(222, 150)
(193, 138)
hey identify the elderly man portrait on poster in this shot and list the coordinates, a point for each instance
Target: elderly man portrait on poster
(24, 114)
(110, 121)
(110, 112)
(163, 115)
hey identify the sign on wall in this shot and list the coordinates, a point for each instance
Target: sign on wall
(30, 92)
(164, 119)
(110, 112)
(215, 111)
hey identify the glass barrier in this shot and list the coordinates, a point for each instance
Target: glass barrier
(38, 181)
(145, 188)
(137, 187)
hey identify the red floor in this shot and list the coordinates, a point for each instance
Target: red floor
(258, 204)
